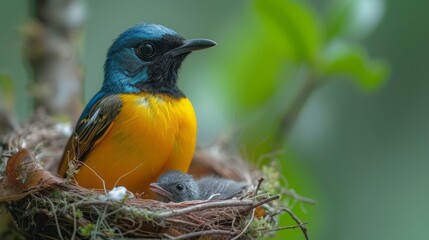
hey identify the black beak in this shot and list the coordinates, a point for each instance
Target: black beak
(191, 45)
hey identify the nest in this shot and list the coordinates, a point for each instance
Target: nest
(46, 206)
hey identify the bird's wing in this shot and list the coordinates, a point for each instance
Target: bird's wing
(95, 122)
(226, 188)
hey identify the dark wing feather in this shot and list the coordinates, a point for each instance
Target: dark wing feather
(90, 129)
(225, 187)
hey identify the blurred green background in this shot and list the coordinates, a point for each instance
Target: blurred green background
(360, 147)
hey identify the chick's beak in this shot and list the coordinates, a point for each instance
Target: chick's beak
(191, 45)
(157, 188)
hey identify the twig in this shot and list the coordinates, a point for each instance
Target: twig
(133, 223)
(247, 226)
(204, 206)
(267, 200)
(74, 223)
(260, 180)
(101, 217)
(178, 221)
(54, 211)
(298, 197)
(98, 176)
(119, 179)
(201, 233)
(288, 227)
(290, 116)
(300, 224)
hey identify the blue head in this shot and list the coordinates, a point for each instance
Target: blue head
(146, 58)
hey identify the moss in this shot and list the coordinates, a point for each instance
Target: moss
(86, 231)
(259, 228)
(272, 185)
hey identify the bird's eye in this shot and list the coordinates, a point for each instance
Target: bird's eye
(179, 187)
(146, 50)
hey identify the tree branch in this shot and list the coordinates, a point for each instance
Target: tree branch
(291, 115)
(51, 49)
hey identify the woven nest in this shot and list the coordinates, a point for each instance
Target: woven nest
(45, 206)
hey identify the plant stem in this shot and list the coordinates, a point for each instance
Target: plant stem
(291, 115)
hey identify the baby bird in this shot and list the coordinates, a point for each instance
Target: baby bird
(176, 186)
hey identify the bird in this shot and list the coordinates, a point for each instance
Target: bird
(139, 124)
(176, 186)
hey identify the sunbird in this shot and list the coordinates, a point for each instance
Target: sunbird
(177, 186)
(140, 124)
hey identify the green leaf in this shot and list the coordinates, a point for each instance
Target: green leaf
(353, 62)
(338, 19)
(252, 73)
(297, 25)
(353, 19)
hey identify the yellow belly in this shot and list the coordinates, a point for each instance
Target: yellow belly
(151, 135)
